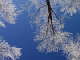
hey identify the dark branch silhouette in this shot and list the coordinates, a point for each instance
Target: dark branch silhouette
(50, 17)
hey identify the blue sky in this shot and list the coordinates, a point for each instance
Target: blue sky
(21, 35)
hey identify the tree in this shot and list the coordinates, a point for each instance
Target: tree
(8, 12)
(7, 52)
(50, 27)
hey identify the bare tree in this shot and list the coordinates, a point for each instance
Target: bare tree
(50, 27)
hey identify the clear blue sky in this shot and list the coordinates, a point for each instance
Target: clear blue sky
(21, 35)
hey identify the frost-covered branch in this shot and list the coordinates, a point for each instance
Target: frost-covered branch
(7, 52)
(69, 6)
(47, 22)
(72, 48)
(8, 12)
(49, 26)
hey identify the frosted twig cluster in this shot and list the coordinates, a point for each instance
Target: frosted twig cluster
(8, 12)
(7, 52)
